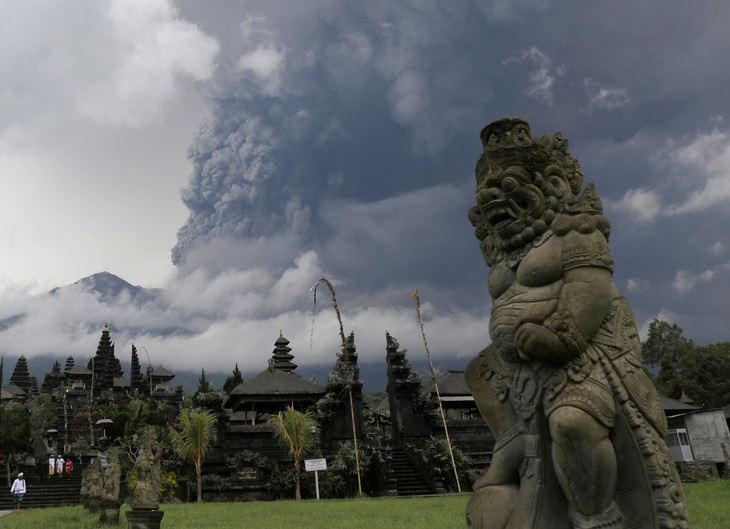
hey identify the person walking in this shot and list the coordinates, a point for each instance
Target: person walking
(69, 467)
(59, 466)
(18, 490)
(51, 466)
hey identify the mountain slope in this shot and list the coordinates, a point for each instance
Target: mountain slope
(109, 288)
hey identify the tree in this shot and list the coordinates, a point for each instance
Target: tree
(683, 368)
(43, 414)
(193, 439)
(299, 433)
(668, 350)
(204, 386)
(706, 375)
(234, 380)
(14, 432)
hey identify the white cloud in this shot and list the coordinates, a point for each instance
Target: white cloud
(684, 280)
(605, 98)
(234, 317)
(643, 204)
(636, 284)
(707, 160)
(119, 62)
(408, 97)
(148, 47)
(266, 64)
(541, 80)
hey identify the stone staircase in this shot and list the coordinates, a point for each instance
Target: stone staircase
(45, 492)
(409, 481)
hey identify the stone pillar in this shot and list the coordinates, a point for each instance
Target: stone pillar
(144, 519)
(94, 502)
(391, 483)
(726, 455)
(109, 512)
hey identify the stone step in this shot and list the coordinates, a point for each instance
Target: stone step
(47, 492)
(409, 481)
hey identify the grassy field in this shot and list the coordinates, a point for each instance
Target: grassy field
(708, 504)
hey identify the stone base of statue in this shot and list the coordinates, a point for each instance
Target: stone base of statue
(94, 502)
(144, 519)
(109, 511)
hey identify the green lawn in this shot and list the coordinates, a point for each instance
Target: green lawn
(708, 504)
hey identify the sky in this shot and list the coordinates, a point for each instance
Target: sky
(231, 153)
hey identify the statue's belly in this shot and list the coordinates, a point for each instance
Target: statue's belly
(521, 304)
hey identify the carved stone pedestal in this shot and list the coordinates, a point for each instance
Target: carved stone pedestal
(109, 512)
(94, 503)
(144, 519)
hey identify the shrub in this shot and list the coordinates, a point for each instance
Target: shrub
(436, 452)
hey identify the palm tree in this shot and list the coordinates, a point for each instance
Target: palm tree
(193, 440)
(299, 432)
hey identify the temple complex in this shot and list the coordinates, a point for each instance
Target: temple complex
(81, 394)
(245, 453)
(397, 434)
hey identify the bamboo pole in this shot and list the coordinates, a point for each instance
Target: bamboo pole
(436, 386)
(349, 377)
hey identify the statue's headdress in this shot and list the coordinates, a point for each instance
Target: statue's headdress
(508, 142)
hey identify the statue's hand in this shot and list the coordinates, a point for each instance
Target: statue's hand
(536, 342)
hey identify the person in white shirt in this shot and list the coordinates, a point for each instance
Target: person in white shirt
(59, 466)
(51, 466)
(18, 490)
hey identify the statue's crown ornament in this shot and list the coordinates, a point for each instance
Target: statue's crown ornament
(506, 133)
(508, 142)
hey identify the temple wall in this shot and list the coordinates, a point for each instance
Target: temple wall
(707, 431)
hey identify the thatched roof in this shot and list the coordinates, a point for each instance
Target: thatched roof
(672, 406)
(79, 371)
(451, 383)
(273, 384)
(161, 372)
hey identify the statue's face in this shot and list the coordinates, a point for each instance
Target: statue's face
(510, 202)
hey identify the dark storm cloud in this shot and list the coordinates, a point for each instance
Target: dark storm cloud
(350, 129)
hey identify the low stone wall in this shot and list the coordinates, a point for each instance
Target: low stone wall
(691, 471)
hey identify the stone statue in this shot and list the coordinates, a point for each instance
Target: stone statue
(112, 476)
(94, 479)
(578, 423)
(83, 491)
(146, 494)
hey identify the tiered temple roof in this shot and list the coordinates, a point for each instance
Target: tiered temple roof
(282, 357)
(275, 387)
(104, 364)
(21, 376)
(55, 379)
